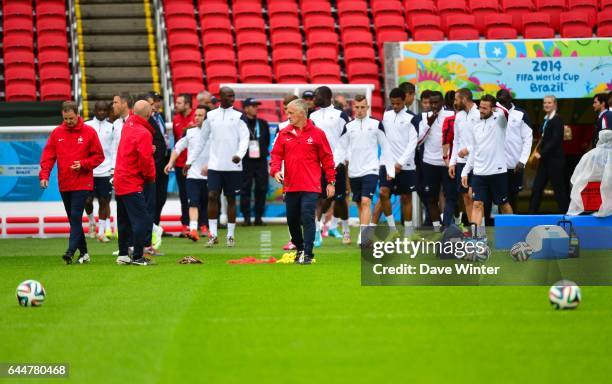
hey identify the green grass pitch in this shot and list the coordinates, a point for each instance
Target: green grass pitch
(220, 323)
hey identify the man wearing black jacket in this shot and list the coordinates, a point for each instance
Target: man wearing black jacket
(161, 155)
(255, 163)
(552, 159)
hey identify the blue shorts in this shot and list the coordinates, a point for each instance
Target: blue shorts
(458, 169)
(364, 186)
(403, 183)
(103, 189)
(227, 181)
(489, 187)
(340, 183)
(515, 182)
(197, 192)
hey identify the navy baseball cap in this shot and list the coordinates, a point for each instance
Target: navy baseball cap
(250, 101)
(308, 95)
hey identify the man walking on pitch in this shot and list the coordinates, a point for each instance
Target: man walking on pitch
(229, 140)
(332, 122)
(77, 150)
(103, 189)
(361, 138)
(304, 150)
(135, 167)
(182, 119)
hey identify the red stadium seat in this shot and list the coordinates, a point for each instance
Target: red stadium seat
(575, 24)
(589, 7)
(517, 8)
(357, 39)
(187, 71)
(427, 27)
(449, 9)
(377, 105)
(188, 86)
(359, 54)
(215, 39)
(319, 23)
(390, 23)
(216, 23)
(282, 24)
(178, 8)
(176, 23)
(219, 54)
(319, 55)
(221, 74)
(49, 56)
(604, 23)
(354, 23)
(17, 23)
(51, 23)
(183, 55)
(606, 4)
(536, 25)
(20, 71)
(363, 73)
(462, 27)
(50, 8)
(315, 8)
(480, 9)
(352, 7)
(287, 56)
(387, 7)
(206, 8)
(251, 38)
(52, 39)
(499, 26)
(416, 8)
(19, 90)
(252, 55)
(250, 8)
(54, 71)
(324, 73)
(183, 39)
(255, 73)
(291, 73)
(553, 8)
(390, 36)
(20, 57)
(322, 39)
(55, 90)
(16, 8)
(249, 24)
(17, 40)
(282, 8)
(286, 39)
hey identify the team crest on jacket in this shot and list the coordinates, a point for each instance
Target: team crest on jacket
(80, 140)
(309, 140)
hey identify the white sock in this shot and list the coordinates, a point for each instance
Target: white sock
(436, 224)
(212, 227)
(230, 229)
(333, 223)
(345, 226)
(391, 221)
(107, 225)
(101, 228)
(91, 219)
(318, 225)
(193, 225)
(408, 228)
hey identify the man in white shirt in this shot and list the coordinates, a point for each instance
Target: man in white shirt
(229, 140)
(488, 161)
(402, 137)
(466, 117)
(519, 137)
(103, 190)
(435, 169)
(196, 183)
(332, 121)
(360, 139)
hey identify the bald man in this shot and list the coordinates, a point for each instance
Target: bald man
(134, 167)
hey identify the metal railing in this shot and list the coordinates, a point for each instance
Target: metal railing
(163, 58)
(74, 55)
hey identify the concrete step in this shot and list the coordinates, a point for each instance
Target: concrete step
(125, 43)
(107, 91)
(103, 10)
(116, 58)
(118, 75)
(114, 26)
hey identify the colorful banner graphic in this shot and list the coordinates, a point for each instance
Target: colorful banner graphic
(530, 69)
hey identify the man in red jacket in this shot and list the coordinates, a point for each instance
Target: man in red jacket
(77, 150)
(181, 120)
(304, 149)
(135, 167)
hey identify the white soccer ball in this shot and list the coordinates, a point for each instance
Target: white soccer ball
(521, 251)
(564, 294)
(30, 293)
(479, 251)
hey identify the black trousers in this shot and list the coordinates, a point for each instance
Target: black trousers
(161, 191)
(254, 172)
(180, 182)
(133, 223)
(301, 219)
(74, 203)
(553, 170)
(149, 195)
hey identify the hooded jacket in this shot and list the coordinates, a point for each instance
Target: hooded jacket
(135, 165)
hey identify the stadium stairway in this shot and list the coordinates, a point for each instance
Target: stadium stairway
(117, 48)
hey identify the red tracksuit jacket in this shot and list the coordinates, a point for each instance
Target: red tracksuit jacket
(304, 152)
(135, 165)
(179, 123)
(67, 145)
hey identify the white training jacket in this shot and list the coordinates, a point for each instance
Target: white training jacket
(360, 139)
(488, 156)
(402, 137)
(117, 128)
(433, 153)
(519, 137)
(464, 121)
(104, 129)
(331, 121)
(189, 141)
(228, 136)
